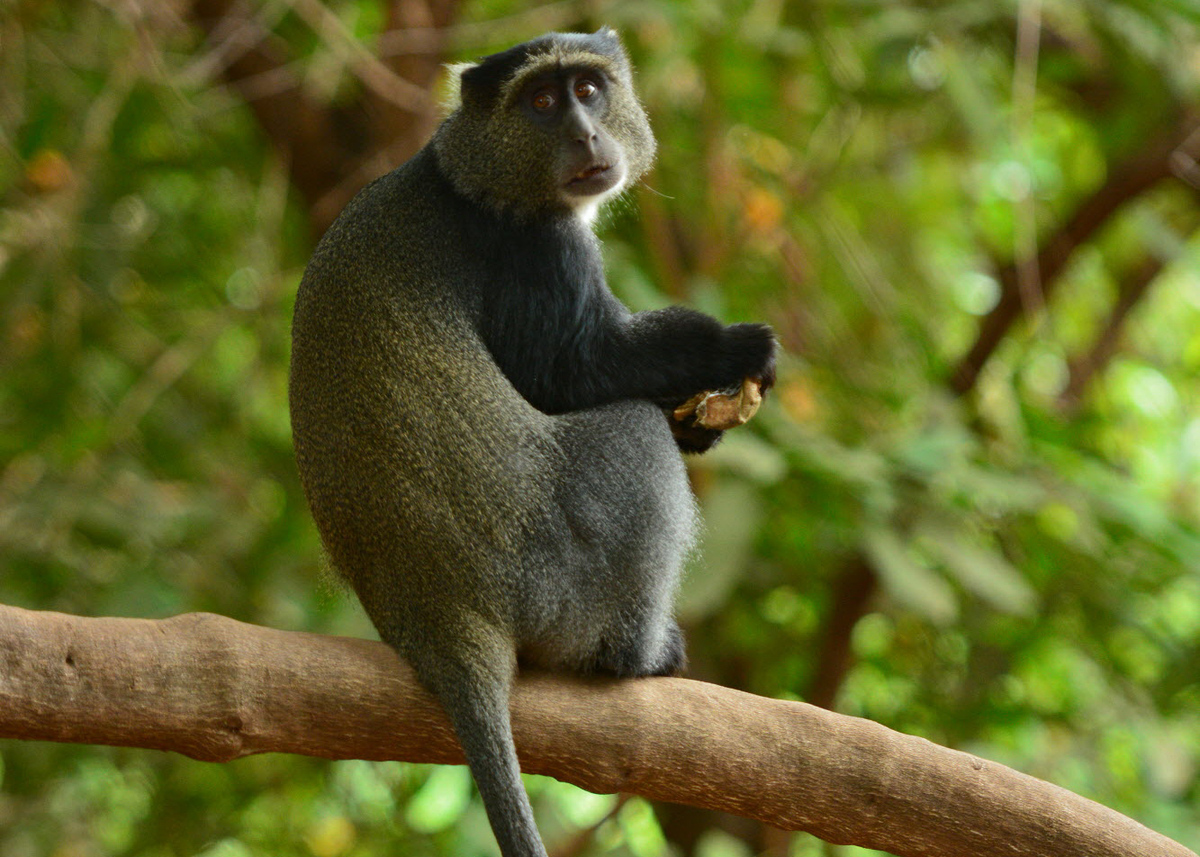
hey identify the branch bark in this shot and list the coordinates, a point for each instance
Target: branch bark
(215, 689)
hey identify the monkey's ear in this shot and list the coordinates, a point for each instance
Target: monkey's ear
(481, 84)
(610, 39)
(607, 42)
(451, 94)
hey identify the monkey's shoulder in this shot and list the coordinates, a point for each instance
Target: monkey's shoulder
(410, 210)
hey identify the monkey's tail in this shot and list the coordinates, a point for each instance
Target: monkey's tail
(476, 701)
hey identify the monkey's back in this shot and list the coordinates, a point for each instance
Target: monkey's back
(438, 489)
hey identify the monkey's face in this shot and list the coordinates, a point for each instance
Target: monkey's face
(570, 107)
(549, 125)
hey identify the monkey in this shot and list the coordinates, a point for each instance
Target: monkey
(479, 422)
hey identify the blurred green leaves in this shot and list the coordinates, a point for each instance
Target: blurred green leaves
(856, 173)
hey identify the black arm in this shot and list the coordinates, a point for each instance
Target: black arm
(671, 354)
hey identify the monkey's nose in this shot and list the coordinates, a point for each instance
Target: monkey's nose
(581, 131)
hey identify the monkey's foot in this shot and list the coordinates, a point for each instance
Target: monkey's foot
(721, 409)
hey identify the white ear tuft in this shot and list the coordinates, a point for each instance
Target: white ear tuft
(451, 86)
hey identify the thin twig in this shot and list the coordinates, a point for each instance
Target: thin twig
(1024, 95)
(473, 34)
(368, 68)
(579, 843)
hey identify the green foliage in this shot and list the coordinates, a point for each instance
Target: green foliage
(857, 173)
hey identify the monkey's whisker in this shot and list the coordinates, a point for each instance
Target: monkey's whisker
(654, 190)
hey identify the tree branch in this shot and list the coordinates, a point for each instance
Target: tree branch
(853, 590)
(1157, 160)
(332, 150)
(1085, 367)
(215, 689)
(304, 131)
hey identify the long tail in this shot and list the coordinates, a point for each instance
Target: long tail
(475, 697)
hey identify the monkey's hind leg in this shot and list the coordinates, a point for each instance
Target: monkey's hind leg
(632, 657)
(474, 690)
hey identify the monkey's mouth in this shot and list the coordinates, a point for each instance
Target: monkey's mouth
(596, 180)
(589, 174)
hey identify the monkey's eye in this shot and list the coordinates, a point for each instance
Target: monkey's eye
(584, 89)
(543, 101)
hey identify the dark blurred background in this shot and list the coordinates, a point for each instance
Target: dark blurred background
(970, 511)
